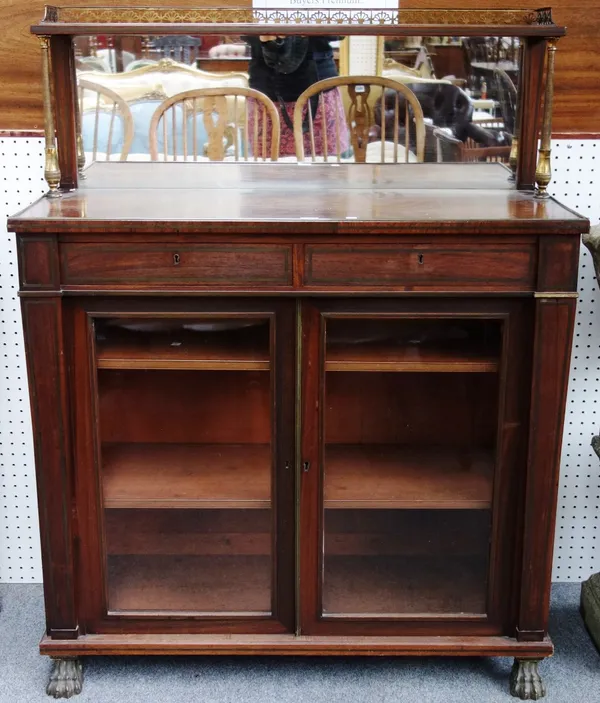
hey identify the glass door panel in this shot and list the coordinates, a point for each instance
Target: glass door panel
(410, 424)
(185, 418)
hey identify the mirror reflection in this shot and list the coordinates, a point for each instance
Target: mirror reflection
(347, 99)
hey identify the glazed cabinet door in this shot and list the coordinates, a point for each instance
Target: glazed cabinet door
(412, 462)
(184, 465)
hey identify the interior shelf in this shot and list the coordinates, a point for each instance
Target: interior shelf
(398, 476)
(352, 584)
(186, 475)
(184, 351)
(240, 584)
(404, 585)
(388, 356)
(238, 476)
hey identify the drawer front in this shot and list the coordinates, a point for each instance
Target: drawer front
(189, 264)
(428, 266)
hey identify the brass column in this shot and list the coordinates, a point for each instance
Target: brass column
(80, 151)
(513, 159)
(543, 172)
(51, 168)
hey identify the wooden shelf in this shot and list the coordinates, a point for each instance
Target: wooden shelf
(397, 476)
(190, 583)
(186, 475)
(352, 584)
(386, 356)
(184, 351)
(238, 476)
(404, 585)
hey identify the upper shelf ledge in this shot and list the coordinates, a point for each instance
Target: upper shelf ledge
(232, 20)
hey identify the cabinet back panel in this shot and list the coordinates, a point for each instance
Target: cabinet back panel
(405, 408)
(189, 532)
(185, 406)
(407, 532)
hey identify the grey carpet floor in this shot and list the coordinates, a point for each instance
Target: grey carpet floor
(572, 675)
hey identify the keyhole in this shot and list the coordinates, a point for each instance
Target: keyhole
(176, 259)
(420, 258)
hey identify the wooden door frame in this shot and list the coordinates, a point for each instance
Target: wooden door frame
(91, 599)
(511, 452)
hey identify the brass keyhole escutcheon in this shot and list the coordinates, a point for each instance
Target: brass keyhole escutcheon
(420, 259)
(176, 259)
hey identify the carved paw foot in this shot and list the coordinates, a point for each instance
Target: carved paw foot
(525, 681)
(66, 679)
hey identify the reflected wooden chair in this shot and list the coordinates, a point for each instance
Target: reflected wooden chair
(451, 149)
(184, 49)
(506, 94)
(106, 121)
(213, 123)
(362, 93)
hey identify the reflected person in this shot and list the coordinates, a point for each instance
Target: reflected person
(283, 67)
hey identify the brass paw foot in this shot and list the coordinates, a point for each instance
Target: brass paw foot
(66, 679)
(525, 681)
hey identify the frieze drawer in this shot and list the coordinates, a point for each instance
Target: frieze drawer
(476, 267)
(186, 264)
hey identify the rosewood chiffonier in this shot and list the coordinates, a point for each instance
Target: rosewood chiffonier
(297, 409)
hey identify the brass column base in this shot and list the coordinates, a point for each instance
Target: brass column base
(52, 172)
(513, 159)
(80, 154)
(543, 174)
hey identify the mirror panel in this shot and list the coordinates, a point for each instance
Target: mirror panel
(465, 88)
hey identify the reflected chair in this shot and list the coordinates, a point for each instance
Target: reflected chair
(506, 94)
(91, 63)
(139, 63)
(362, 93)
(214, 124)
(106, 121)
(451, 149)
(184, 49)
(145, 87)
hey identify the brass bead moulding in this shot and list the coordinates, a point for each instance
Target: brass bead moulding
(296, 16)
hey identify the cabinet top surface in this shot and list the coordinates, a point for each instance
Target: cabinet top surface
(334, 198)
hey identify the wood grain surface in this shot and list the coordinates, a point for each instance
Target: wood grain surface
(182, 644)
(391, 357)
(380, 476)
(186, 476)
(403, 585)
(577, 100)
(345, 199)
(209, 584)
